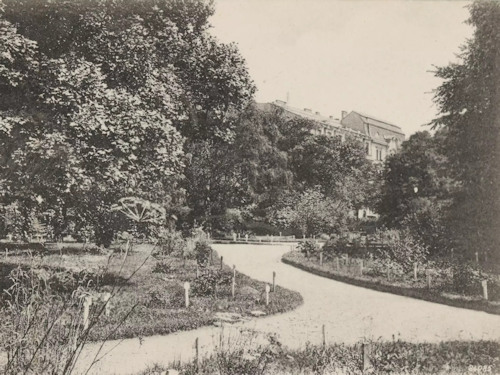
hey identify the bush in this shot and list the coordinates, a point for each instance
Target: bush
(309, 247)
(401, 247)
(467, 278)
(335, 247)
(163, 267)
(170, 242)
(202, 251)
(205, 284)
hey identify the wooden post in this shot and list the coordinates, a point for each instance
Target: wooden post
(324, 336)
(274, 281)
(415, 271)
(366, 357)
(6, 253)
(484, 284)
(221, 262)
(233, 285)
(429, 278)
(211, 256)
(86, 311)
(186, 293)
(106, 299)
(361, 267)
(321, 258)
(197, 355)
(268, 288)
(477, 257)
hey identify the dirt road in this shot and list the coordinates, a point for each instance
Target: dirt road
(349, 314)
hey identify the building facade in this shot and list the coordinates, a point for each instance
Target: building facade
(380, 138)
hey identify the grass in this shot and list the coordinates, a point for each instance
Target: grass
(396, 357)
(155, 298)
(439, 292)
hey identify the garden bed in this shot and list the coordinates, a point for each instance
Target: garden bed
(152, 301)
(400, 287)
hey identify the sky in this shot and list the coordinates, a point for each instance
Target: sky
(375, 57)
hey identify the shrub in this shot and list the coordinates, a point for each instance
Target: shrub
(205, 284)
(308, 248)
(401, 247)
(170, 242)
(467, 278)
(335, 247)
(163, 267)
(202, 251)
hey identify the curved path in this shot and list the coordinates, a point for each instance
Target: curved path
(349, 314)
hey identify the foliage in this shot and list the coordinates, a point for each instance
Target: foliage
(401, 247)
(335, 246)
(170, 242)
(469, 121)
(309, 247)
(203, 251)
(312, 213)
(207, 283)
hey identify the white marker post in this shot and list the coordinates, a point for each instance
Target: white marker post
(484, 284)
(106, 299)
(361, 267)
(268, 289)
(477, 257)
(187, 286)
(86, 311)
(429, 279)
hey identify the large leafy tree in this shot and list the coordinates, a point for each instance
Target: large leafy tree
(96, 94)
(415, 191)
(468, 100)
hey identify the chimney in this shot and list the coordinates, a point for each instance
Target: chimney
(344, 114)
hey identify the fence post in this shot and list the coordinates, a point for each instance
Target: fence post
(361, 267)
(366, 357)
(268, 288)
(324, 336)
(233, 285)
(6, 253)
(321, 258)
(197, 355)
(186, 293)
(106, 299)
(477, 257)
(221, 260)
(274, 281)
(86, 310)
(429, 278)
(211, 256)
(484, 284)
(415, 271)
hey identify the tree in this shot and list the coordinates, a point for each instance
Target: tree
(96, 95)
(470, 123)
(415, 192)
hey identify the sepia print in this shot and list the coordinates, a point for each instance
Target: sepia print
(249, 187)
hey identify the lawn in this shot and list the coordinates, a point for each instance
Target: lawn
(148, 294)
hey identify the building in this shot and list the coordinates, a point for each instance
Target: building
(384, 138)
(381, 138)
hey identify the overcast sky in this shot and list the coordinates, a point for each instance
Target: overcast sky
(370, 56)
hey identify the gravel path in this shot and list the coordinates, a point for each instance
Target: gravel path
(349, 314)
